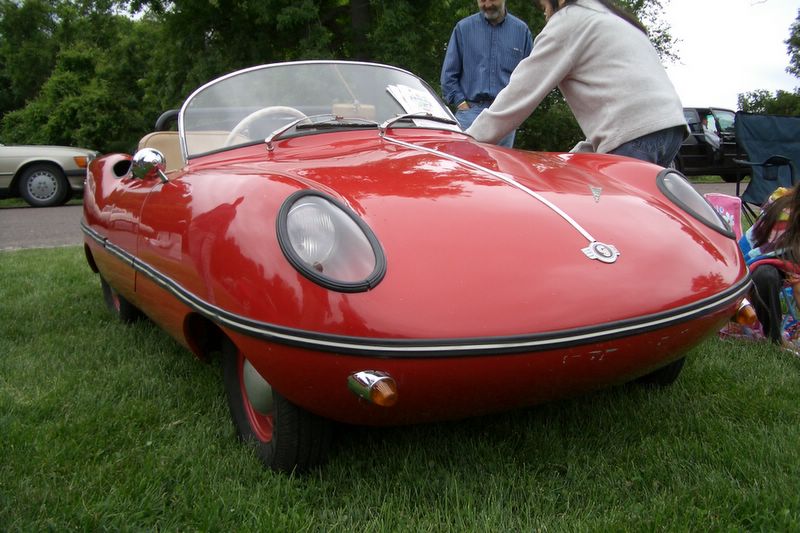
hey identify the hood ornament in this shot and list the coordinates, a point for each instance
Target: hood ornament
(606, 253)
(596, 193)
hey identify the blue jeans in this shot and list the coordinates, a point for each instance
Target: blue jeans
(659, 147)
(467, 117)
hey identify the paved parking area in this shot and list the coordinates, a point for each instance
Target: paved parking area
(42, 227)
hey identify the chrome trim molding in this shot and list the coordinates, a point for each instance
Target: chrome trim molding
(368, 283)
(553, 207)
(723, 228)
(409, 348)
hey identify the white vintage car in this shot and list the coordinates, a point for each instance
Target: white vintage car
(43, 176)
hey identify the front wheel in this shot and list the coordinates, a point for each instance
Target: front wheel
(664, 376)
(43, 185)
(286, 437)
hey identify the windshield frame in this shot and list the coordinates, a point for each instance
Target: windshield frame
(431, 98)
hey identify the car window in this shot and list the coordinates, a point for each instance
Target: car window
(692, 118)
(725, 119)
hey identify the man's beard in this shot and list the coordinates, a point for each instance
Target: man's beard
(492, 14)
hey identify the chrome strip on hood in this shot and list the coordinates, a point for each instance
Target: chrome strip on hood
(510, 181)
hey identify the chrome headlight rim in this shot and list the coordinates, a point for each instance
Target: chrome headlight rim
(713, 220)
(367, 283)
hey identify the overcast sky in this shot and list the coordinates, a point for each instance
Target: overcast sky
(727, 47)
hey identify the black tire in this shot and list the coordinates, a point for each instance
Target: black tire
(121, 308)
(286, 438)
(67, 197)
(730, 178)
(664, 376)
(43, 185)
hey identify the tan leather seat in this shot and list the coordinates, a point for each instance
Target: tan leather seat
(200, 142)
(168, 143)
(365, 111)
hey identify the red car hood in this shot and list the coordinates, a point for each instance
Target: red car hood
(479, 241)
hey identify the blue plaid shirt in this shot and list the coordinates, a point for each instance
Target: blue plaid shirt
(480, 57)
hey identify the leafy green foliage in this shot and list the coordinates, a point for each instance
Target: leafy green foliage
(77, 72)
(762, 101)
(793, 44)
(87, 99)
(27, 51)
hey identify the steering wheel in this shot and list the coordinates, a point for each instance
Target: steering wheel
(261, 113)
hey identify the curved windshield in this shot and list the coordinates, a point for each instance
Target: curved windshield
(251, 105)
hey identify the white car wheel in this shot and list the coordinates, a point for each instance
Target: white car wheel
(43, 185)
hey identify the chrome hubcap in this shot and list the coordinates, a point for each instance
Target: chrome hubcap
(258, 390)
(42, 185)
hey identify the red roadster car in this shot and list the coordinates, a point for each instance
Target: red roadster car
(355, 257)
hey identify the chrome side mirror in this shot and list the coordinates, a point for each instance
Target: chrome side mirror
(149, 163)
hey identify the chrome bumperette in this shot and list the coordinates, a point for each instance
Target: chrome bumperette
(364, 384)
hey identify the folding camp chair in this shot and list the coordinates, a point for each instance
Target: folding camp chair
(772, 145)
(769, 181)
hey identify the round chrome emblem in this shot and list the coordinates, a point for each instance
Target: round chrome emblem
(601, 251)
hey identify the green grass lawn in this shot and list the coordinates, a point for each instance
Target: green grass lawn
(104, 426)
(712, 179)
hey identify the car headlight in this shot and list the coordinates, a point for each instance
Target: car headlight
(326, 242)
(680, 191)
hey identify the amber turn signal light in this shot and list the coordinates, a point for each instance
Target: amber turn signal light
(378, 388)
(746, 314)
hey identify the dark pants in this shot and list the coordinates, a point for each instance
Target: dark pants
(766, 299)
(467, 117)
(659, 147)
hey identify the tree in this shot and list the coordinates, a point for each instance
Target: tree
(92, 98)
(764, 102)
(78, 72)
(27, 50)
(793, 44)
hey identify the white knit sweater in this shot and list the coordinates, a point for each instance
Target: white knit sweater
(607, 70)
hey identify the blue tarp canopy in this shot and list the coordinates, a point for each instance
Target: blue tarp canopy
(764, 136)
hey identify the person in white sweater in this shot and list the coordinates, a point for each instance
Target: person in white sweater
(601, 59)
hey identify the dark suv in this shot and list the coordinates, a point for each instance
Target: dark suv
(711, 147)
